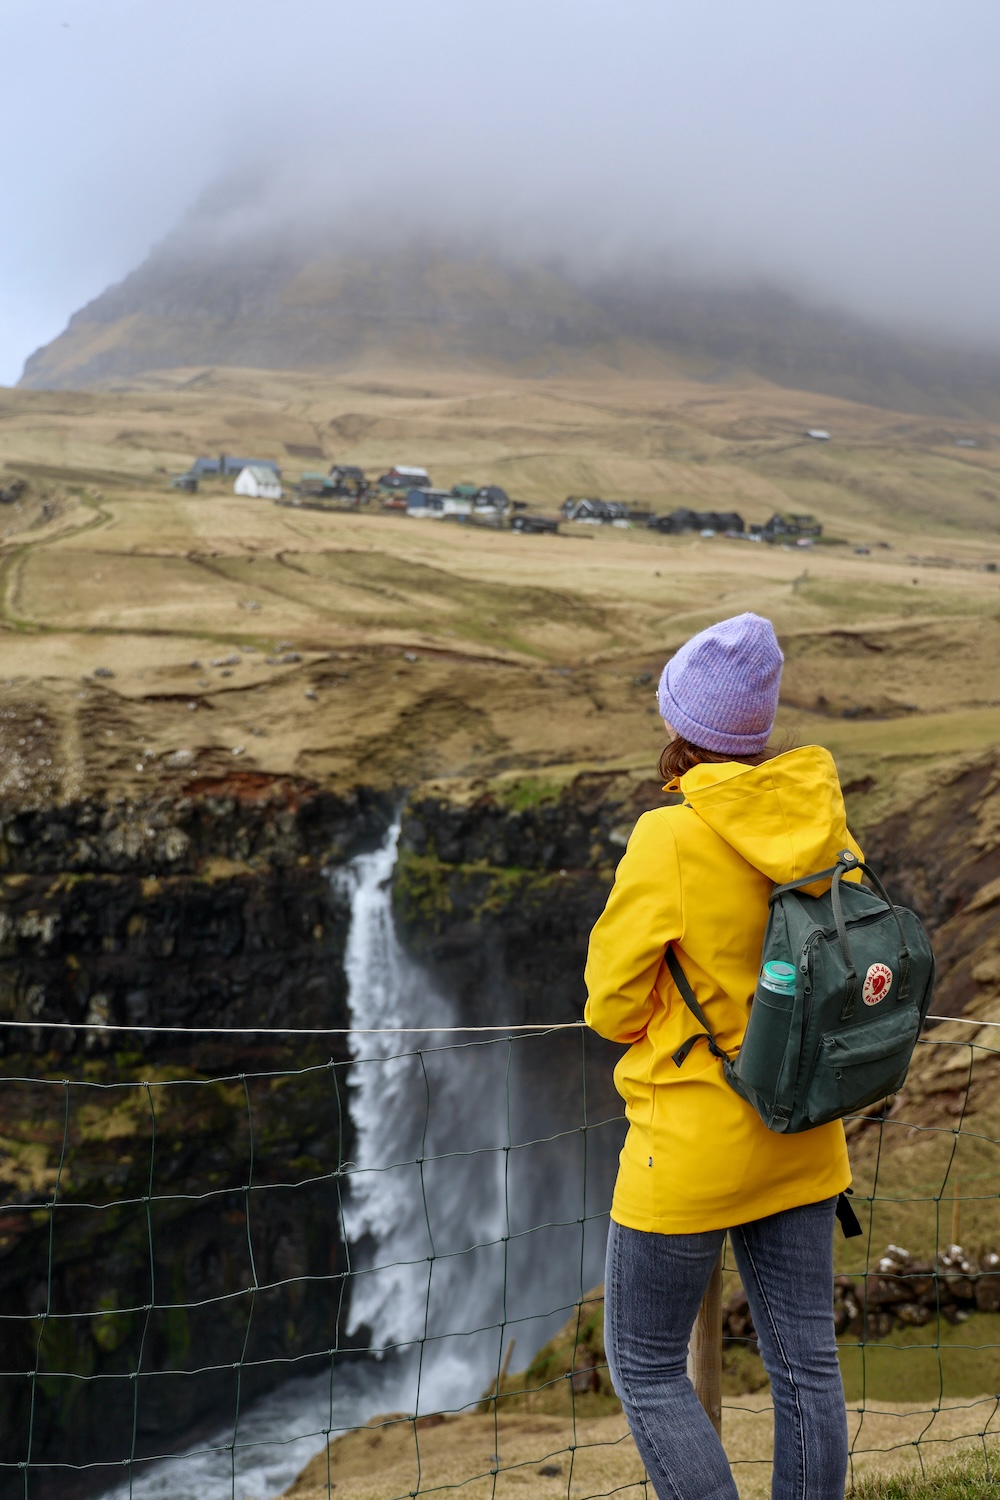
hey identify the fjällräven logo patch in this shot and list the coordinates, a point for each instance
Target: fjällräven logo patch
(878, 982)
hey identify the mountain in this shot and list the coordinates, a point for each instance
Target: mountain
(292, 305)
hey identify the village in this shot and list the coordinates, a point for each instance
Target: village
(407, 489)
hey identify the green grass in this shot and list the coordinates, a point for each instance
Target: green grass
(923, 1364)
(972, 1478)
(527, 792)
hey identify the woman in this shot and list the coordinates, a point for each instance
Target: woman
(698, 1161)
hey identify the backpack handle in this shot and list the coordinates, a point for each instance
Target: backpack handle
(846, 860)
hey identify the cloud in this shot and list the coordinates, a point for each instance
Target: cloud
(844, 151)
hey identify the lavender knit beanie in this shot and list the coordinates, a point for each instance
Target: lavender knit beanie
(720, 691)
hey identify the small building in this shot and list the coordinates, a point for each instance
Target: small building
(465, 491)
(186, 482)
(789, 526)
(492, 498)
(311, 482)
(437, 505)
(227, 463)
(582, 508)
(728, 522)
(348, 479)
(258, 481)
(595, 512)
(404, 477)
(818, 434)
(677, 521)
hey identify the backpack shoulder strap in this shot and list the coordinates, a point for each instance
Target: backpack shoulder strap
(795, 885)
(687, 994)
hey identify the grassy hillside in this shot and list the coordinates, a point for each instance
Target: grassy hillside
(435, 649)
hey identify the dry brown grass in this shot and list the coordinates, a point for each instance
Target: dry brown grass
(394, 1457)
(527, 649)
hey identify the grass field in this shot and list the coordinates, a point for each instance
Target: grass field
(433, 649)
(545, 1456)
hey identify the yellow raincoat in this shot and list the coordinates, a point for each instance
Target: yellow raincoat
(697, 1156)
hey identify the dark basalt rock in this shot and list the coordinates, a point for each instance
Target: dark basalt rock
(499, 900)
(195, 1180)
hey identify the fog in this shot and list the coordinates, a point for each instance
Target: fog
(843, 151)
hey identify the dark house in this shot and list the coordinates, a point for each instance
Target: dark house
(348, 479)
(790, 525)
(676, 521)
(684, 519)
(227, 463)
(578, 508)
(528, 524)
(492, 495)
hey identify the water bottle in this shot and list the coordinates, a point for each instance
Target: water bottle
(776, 979)
(763, 1047)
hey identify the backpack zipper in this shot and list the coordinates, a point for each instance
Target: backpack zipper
(805, 961)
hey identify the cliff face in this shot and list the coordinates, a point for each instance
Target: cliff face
(498, 899)
(208, 908)
(943, 856)
(195, 1223)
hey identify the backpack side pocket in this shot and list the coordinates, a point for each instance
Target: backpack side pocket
(758, 1064)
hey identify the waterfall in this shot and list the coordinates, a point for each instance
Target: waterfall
(465, 1214)
(426, 1202)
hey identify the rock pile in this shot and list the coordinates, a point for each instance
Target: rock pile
(900, 1291)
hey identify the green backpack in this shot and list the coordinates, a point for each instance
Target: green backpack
(857, 974)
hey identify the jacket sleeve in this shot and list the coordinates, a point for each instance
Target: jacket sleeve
(642, 916)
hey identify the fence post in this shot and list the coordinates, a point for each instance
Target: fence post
(705, 1354)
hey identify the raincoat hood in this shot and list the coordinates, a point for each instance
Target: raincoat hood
(785, 817)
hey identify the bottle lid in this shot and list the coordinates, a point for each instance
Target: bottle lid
(779, 977)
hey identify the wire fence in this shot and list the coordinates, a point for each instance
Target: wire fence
(381, 1267)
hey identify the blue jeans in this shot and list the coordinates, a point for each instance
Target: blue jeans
(653, 1287)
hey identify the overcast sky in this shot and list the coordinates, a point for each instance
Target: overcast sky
(846, 148)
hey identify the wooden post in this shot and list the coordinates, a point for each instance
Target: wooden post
(705, 1353)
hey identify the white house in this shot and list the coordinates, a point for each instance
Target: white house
(261, 483)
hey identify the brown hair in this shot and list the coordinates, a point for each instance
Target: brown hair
(680, 755)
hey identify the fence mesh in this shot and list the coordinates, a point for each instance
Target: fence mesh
(384, 1265)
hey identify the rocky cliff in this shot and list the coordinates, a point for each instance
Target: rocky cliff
(195, 1242)
(497, 892)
